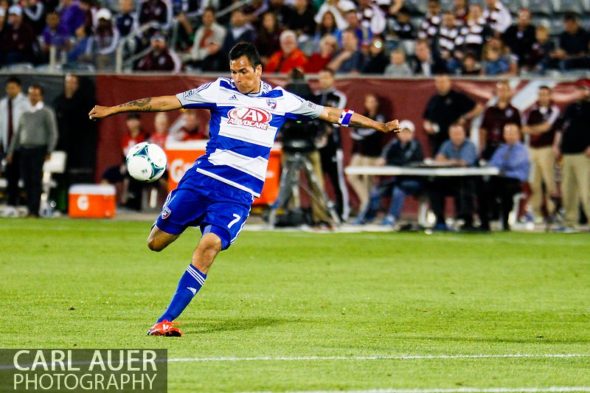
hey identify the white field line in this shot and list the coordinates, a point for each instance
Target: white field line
(550, 389)
(378, 357)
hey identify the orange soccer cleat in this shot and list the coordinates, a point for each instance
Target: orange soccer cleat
(164, 328)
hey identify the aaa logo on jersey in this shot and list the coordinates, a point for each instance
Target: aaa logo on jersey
(250, 117)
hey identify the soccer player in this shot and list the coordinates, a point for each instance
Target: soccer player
(217, 191)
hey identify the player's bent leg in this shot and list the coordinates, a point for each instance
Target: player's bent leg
(205, 253)
(159, 239)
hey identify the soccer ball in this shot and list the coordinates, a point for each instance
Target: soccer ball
(146, 162)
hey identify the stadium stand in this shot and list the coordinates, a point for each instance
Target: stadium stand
(108, 36)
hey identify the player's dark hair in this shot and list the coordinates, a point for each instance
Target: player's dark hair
(245, 49)
(13, 79)
(37, 86)
(544, 87)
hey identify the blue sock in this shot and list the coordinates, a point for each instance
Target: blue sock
(191, 281)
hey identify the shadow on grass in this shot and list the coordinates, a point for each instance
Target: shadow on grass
(234, 324)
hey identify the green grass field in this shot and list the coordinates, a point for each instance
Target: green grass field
(312, 312)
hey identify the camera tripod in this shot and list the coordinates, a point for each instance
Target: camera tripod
(290, 175)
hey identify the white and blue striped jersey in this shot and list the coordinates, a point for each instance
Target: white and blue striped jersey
(243, 128)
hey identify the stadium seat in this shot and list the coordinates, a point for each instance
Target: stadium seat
(447, 5)
(512, 6)
(416, 7)
(538, 7)
(555, 25)
(563, 6)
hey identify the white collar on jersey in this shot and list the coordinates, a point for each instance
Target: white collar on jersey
(264, 88)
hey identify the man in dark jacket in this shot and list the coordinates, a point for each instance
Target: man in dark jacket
(403, 151)
(77, 134)
(574, 145)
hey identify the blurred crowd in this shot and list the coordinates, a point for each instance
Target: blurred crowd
(541, 157)
(381, 37)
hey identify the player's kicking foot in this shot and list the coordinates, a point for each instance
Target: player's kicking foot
(164, 328)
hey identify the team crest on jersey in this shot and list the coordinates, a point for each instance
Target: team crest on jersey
(166, 212)
(249, 117)
(271, 103)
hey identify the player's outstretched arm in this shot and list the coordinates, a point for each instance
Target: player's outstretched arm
(351, 119)
(149, 104)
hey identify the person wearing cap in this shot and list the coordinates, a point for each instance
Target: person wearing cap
(403, 151)
(19, 38)
(573, 141)
(105, 40)
(160, 57)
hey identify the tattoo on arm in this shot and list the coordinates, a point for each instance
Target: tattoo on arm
(140, 105)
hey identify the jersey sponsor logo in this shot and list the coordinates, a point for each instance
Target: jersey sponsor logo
(249, 117)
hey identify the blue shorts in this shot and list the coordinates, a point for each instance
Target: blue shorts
(210, 204)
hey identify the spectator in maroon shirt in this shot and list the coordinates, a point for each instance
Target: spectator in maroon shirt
(160, 57)
(540, 126)
(18, 41)
(495, 118)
